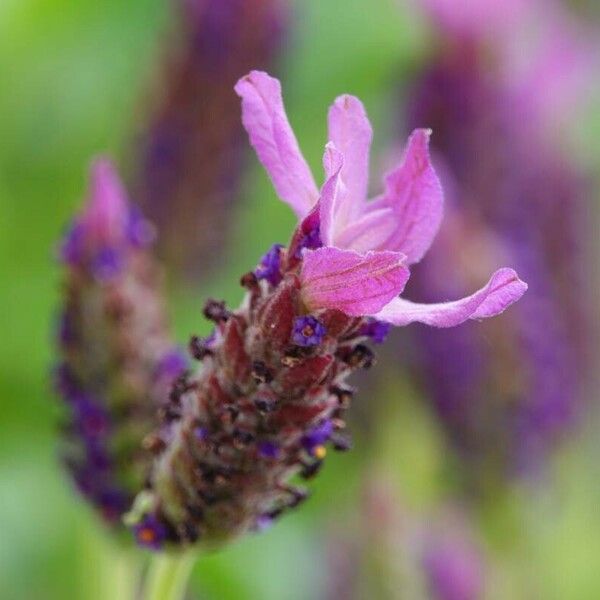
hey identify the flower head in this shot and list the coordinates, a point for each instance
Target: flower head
(117, 361)
(367, 245)
(271, 393)
(107, 230)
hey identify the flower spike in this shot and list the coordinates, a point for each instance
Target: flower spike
(271, 395)
(117, 360)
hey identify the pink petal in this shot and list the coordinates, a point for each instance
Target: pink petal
(503, 289)
(414, 192)
(106, 212)
(271, 135)
(368, 231)
(357, 284)
(350, 131)
(332, 193)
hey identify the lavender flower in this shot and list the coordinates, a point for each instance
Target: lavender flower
(267, 402)
(190, 154)
(505, 391)
(117, 359)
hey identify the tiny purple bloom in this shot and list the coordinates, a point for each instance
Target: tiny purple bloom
(269, 450)
(91, 418)
(317, 436)
(269, 267)
(171, 365)
(376, 330)
(150, 533)
(308, 331)
(107, 264)
(201, 433)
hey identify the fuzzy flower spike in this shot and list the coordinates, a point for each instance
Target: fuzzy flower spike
(366, 246)
(271, 394)
(117, 359)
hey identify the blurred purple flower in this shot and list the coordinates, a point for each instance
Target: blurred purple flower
(507, 390)
(190, 152)
(117, 361)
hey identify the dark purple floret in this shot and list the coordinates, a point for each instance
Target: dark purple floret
(66, 330)
(64, 382)
(107, 264)
(270, 265)
(113, 503)
(318, 436)
(71, 249)
(92, 419)
(308, 331)
(311, 241)
(376, 330)
(150, 533)
(171, 365)
(201, 433)
(269, 450)
(140, 233)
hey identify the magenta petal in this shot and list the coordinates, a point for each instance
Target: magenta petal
(503, 289)
(357, 284)
(350, 131)
(332, 193)
(271, 135)
(368, 231)
(106, 213)
(414, 192)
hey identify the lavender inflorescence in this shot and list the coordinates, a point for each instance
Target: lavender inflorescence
(190, 152)
(117, 360)
(268, 400)
(508, 391)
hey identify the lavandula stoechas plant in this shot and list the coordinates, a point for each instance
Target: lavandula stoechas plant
(271, 393)
(117, 361)
(506, 390)
(190, 154)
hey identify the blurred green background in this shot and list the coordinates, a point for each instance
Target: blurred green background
(70, 81)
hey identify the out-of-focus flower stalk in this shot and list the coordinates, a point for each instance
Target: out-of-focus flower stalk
(389, 552)
(189, 158)
(507, 391)
(117, 360)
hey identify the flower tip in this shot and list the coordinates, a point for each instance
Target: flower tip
(333, 160)
(421, 137)
(504, 289)
(256, 79)
(349, 103)
(107, 209)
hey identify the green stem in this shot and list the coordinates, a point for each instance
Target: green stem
(107, 569)
(168, 576)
